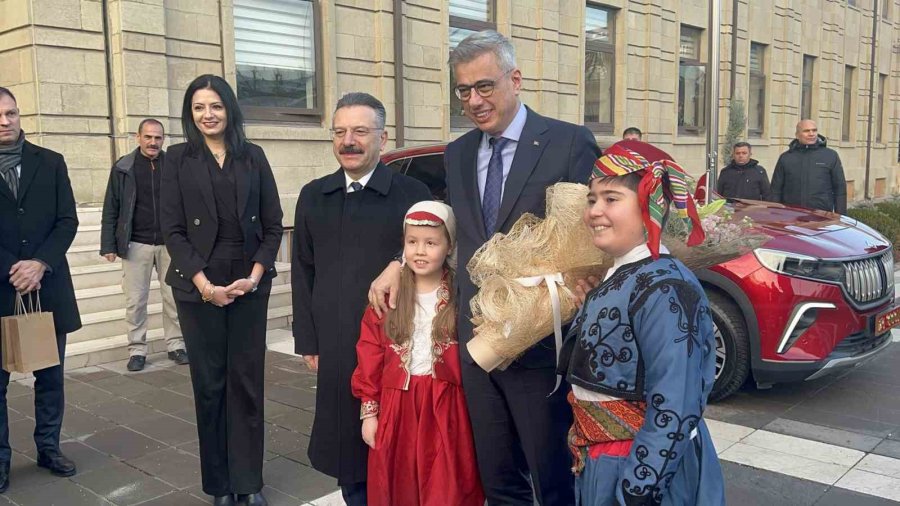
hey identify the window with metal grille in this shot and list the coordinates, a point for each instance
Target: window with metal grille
(847, 112)
(277, 59)
(806, 90)
(599, 68)
(691, 83)
(757, 91)
(879, 107)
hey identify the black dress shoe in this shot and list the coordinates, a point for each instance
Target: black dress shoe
(223, 500)
(256, 499)
(179, 357)
(57, 463)
(136, 363)
(4, 477)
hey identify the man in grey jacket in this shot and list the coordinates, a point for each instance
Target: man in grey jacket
(130, 230)
(809, 174)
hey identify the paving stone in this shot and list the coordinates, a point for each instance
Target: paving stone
(184, 389)
(24, 474)
(177, 468)
(58, 493)
(278, 498)
(78, 422)
(280, 375)
(123, 443)
(122, 484)
(14, 416)
(176, 499)
(21, 435)
(295, 397)
(747, 410)
(840, 421)
(272, 409)
(85, 458)
(188, 415)
(297, 480)
(840, 497)
(23, 404)
(162, 378)
(122, 386)
(747, 486)
(299, 421)
(123, 411)
(282, 441)
(91, 374)
(167, 429)
(193, 448)
(163, 400)
(84, 395)
(828, 435)
(888, 448)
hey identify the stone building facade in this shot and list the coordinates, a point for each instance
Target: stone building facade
(86, 72)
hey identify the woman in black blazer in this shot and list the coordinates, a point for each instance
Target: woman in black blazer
(221, 219)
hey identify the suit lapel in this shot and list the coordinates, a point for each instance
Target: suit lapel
(531, 145)
(30, 163)
(469, 177)
(200, 173)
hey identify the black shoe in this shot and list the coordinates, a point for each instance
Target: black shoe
(136, 363)
(223, 500)
(256, 499)
(4, 477)
(179, 357)
(57, 463)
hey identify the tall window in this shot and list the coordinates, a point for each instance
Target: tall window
(885, 9)
(466, 18)
(847, 112)
(806, 92)
(691, 83)
(879, 108)
(276, 58)
(757, 98)
(599, 68)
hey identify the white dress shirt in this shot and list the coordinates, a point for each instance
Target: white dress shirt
(485, 150)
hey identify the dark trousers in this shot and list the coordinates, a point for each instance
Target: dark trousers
(355, 494)
(520, 433)
(227, 347)
(49, 406)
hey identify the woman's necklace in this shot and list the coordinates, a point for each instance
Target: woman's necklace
(219, 156)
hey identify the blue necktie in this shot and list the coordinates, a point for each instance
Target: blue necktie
(493, 185)
(355, 186)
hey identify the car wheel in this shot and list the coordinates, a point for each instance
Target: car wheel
(732, 346)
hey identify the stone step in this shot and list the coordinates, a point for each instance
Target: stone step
(87, 235)
(97, 275)
(89, 215)
(85, 254)
(104, 324)
(113, 348)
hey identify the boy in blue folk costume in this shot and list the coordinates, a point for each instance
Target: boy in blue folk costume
(640, 353)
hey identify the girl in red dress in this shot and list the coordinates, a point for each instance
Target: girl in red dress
(408, 379)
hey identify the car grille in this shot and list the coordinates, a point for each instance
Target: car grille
(870, 279)
(857, 344)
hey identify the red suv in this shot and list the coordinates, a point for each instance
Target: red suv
(817, 297)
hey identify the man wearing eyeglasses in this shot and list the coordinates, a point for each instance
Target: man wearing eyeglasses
(496, 173)
(347, 226)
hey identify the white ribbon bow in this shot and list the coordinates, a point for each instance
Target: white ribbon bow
(552, 280)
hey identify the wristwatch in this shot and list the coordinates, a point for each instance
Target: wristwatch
(253, 280)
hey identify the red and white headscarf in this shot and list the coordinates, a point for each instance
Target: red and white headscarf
(432, 213)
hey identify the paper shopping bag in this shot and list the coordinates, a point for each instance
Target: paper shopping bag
(29, 337)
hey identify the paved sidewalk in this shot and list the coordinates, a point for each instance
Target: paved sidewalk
(134, 438)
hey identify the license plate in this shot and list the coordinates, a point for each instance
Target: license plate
(887, 320)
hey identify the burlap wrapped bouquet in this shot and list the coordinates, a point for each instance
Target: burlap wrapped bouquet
(523, 274)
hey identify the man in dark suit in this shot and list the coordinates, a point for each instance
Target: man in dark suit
(347, 226)
(37, 225)
(496, 173)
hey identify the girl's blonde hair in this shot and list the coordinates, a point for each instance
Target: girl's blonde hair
(398, 323)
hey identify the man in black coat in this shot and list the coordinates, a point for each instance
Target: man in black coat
(347, 226)
(809, 174)
(744, 177)
(37, 225)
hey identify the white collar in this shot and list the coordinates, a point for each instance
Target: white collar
(363, 180)
(513, 131)
(637, 253)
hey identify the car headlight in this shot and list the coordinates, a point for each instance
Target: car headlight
(802, 266)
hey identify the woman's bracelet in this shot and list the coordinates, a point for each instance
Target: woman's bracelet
(207, 295)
